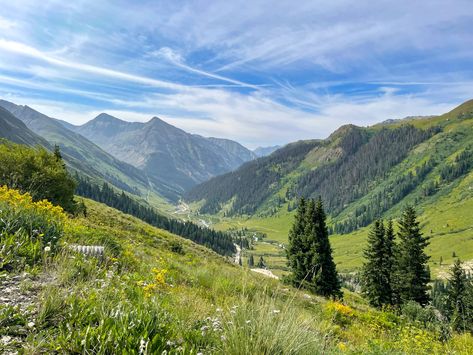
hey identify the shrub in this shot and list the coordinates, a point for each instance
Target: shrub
(27, 229)
(38, 172)
(176, 247)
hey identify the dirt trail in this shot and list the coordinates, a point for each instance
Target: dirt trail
(20, 292)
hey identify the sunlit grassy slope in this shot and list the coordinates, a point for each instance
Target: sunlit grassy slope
(447, 219)
(145, 298)
(446, 215)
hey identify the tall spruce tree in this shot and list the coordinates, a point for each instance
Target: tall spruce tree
(412, 273)
(375, 276)
(324, 279)
(457, 305)
(296, 251)
(390, 262)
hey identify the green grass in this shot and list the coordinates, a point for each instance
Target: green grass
(142, 296)
(448, 215)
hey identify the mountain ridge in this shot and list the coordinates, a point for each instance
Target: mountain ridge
(163, 151)
(85, 156)
(346, 168)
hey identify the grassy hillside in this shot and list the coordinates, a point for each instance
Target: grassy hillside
(446, 218)
(148, 296)
(431, 176)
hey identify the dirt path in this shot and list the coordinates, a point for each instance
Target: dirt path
(21, 293)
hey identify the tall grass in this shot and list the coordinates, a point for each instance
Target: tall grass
(262, 325)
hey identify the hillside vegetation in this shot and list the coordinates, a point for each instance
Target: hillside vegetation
(435, 176)
(143, 297)
(361, 173)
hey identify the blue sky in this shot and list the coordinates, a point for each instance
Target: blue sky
(260, 72)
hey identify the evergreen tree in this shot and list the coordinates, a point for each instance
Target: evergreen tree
(377, 274)
(413, 275)
(375, 284)
(323, 278)
(456, 304)
(261, 264)
(296, 251)
(57, 153)
(390, 263)
(251, 261)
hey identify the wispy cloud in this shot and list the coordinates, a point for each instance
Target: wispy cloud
(178, 60)
(263, 72)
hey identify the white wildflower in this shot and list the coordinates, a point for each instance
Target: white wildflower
(47, 249)
(248, 321)
(143, 346)
(30, 324)
(276, 311)
(219, 310)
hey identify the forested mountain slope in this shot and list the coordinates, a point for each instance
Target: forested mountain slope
(360, 172)
(83, 155)
(165, 152)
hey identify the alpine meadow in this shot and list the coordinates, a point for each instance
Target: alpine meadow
(200, 177)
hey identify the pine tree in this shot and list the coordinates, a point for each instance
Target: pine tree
(375, 284)
(456, 296)
(57, 153)
(390, 263)
(412, 272)
(324, 277)
(251, 261)
(296, 249)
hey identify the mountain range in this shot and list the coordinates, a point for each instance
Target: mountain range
(163, 151)
(136, 157)
(361, 173)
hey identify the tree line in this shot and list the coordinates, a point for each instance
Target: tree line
(252, 183)
(220, 242)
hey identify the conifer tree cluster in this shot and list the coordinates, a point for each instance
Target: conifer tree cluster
(220, 242)
(309, 252)
(394, 274)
